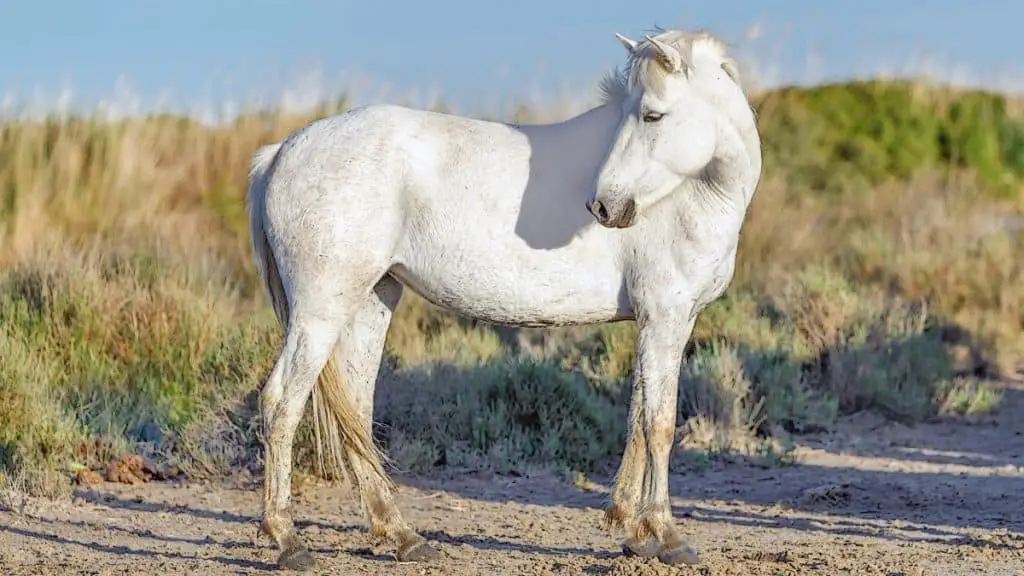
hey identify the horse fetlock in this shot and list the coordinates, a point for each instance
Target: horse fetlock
(658, 522)
(275, 528)
(619, 516)
(292, 541)
(391, 529)
(262, 537)
(640, 541)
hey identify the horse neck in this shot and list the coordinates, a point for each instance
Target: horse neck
(735, 167)
(578, 143)
(720, 197)
(601, 118)
(744, 130)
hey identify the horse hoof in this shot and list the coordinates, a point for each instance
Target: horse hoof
(297, 559)
(679, 554)
(640, 548)
(418, 552)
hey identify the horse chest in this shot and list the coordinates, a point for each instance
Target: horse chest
(718, 282)
(703, 263)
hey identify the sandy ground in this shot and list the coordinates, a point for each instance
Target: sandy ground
(875, 498)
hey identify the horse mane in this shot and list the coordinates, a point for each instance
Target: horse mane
(642, 67)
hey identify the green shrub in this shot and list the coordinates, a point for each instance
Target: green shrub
(499, 414)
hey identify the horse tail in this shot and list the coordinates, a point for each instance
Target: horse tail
(337, 422)
(255, 198)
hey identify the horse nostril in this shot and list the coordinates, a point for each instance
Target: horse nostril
(629, 212)
(600, 211)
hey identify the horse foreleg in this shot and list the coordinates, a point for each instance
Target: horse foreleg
(662, 338)
(307, 347)
(624, 510)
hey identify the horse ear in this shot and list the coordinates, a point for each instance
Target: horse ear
(629, 44)
(668, 56)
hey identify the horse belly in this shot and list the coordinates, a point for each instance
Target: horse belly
(499, 287)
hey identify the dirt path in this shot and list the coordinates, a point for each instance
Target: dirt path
(937, 499)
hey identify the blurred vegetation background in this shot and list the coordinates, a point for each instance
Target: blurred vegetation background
(880, 269)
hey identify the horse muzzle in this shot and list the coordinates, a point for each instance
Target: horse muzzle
(613, 215)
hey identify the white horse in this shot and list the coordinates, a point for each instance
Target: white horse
(629, 211)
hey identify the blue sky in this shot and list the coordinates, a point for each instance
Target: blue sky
(187, 51)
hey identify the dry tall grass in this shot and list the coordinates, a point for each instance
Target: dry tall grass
(130, 319)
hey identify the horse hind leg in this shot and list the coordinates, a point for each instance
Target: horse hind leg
(360, 350)
(308, 345)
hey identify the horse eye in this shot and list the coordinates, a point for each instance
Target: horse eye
(653, 116)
